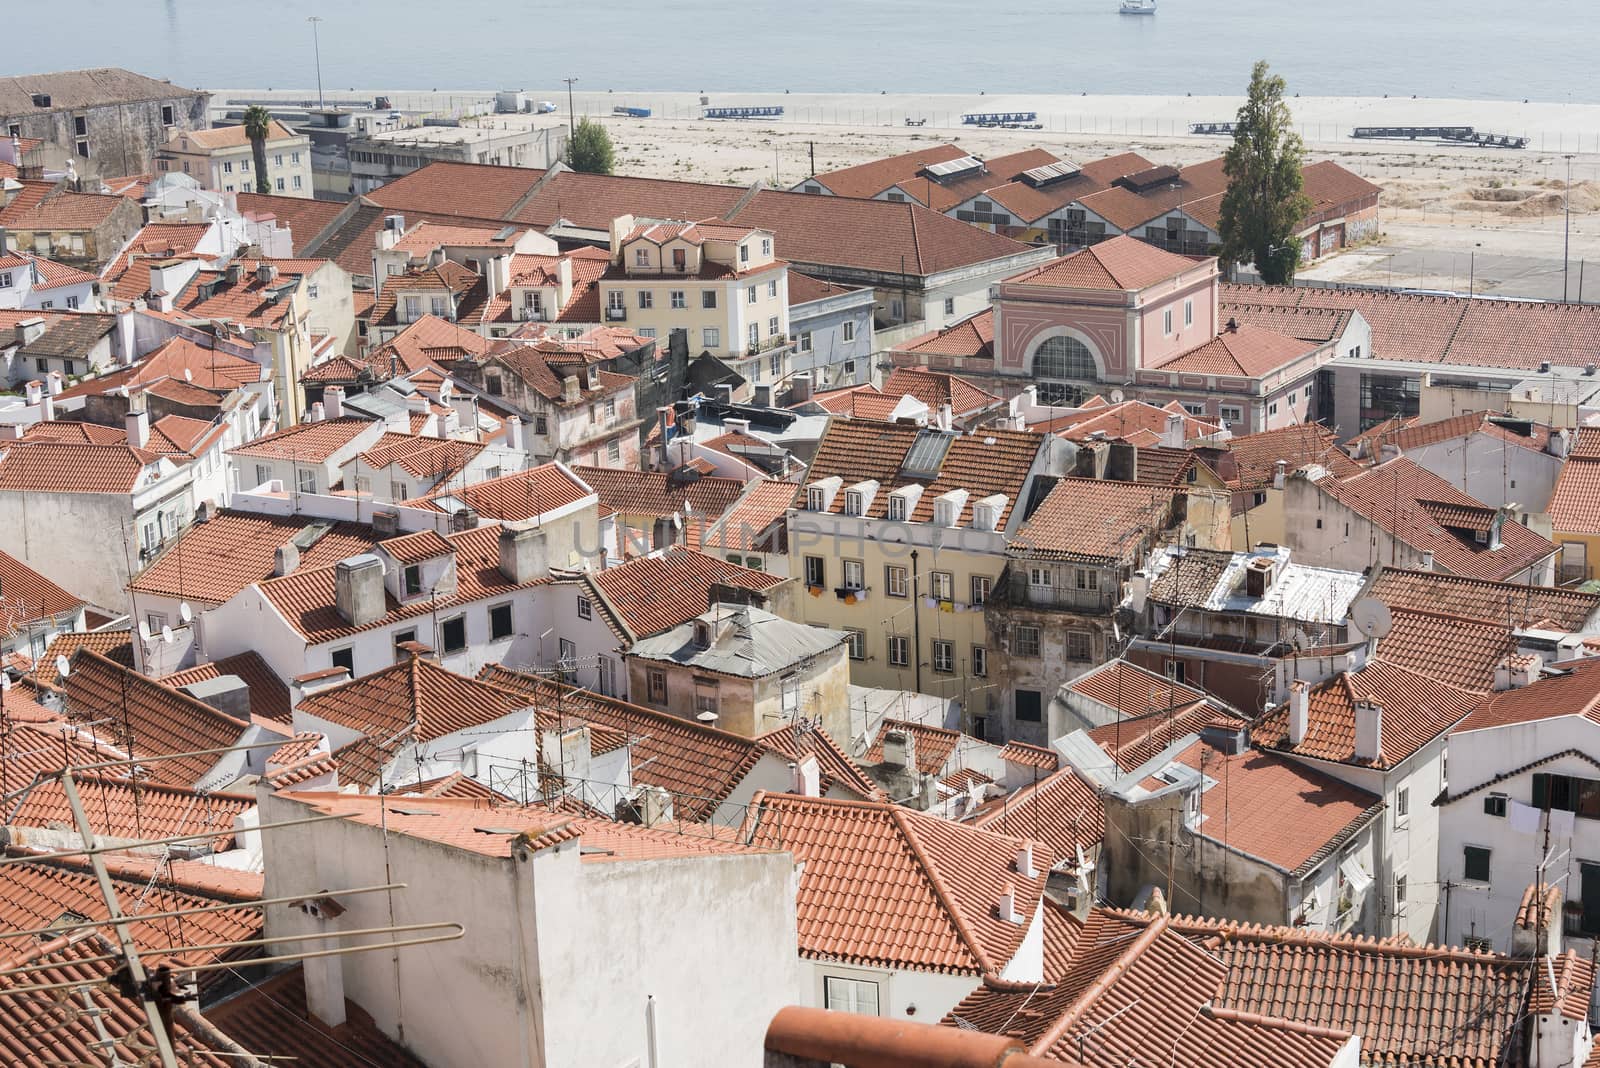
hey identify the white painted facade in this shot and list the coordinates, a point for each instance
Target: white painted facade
(1492, 470)
(565, 960)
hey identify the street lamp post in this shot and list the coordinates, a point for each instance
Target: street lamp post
(1566, 240)
(572, 118)
(316, 50)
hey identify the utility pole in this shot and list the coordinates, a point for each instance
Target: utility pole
(1566, 240)
(316, 50)
(572, 118)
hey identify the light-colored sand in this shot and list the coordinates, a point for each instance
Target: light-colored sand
(1438, 198)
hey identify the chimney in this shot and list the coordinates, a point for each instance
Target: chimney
(1258, 575)
(266, 273)
(514, 433)
(1299, 710)
(1233, 326)
(1369, 730)
(1139, 591)
(285, 559)
(621, 227)
(899, 748)
(947, 417)
(1025, 866)
(1560, 443)
(1280, 470)
(53, 383)
(324, 979)
(763, 396)
(1496, 526)
(665, 417)
(1008, 904)
(805, 777)
(736, 426)
(358, 589)
(125, 337)
(724, 393)
(29, 330)
(1172, 436)
(1516, 671)
(138, 423)
(33, 392)
(499, 272)
(522, 551)
(418, 403)
(333, 401)
(235, 273)
(570, 386)
(800, 387)
(47, 407)
(319, 412)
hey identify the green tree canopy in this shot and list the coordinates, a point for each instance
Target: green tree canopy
(590, 149)
(258, 127)
(1264, 203)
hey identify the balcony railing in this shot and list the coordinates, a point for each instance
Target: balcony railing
(616, 315)
(1017, 592)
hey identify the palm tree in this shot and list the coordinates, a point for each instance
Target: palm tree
(258, 127)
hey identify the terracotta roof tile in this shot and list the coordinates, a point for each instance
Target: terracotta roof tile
(269, 696)
(67, 467)
(654, 493)
(1133, 741)
(1575, 503)
(1573, 691)
(934, 745)
(1513, 603)
(216, 559)
(1416, 710)
(473, 189)
(836, 767)
(271, 1019)
(63, 210)
(415, 695)
(115, 644)
(1060, 809)
(1031, 203)
(179, 359)
(1462, 652)
(803, 289)
(888, 886)
(655, 593)
(1124, 263)
(1135, 421)
(1308, 324)
(1094, 519)
(307, 442)
(129, 812)
(935, 389)
(755, 521)
(972, 337)
(1030, 756)
(26, 595)
(1247, 350)
(871, 178)
(1133, 689)
(1255, 456)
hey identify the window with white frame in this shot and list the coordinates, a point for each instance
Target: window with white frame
(1188, 313)
(679, 298)
(816, 571)
(852, 501)
(899, 650)
(854, 575)
(942, 585)
(1078, 645)
(981, 585)
(1166, 321)
(441, 307)
(1232, 413)
(1041, 577)
(413, 309)
(856, 640)
(750, 294)
(766, 246)
(614, 451)
(755, 335)
(980, 661)
(1025, 641)
(805, 341)
(711, 337)
(305, 480)
(894, 580)
(641, 257)
(817, 499)
(859, 996)
(647, 299)
(1088, 579)
(772, 288)
(772, 326)
(849, 331)
(944, 656)
(708, 298)
(897, 508)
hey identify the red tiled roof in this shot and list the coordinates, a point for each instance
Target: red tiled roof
(179, 359)
(26, 595)
(1246, 350)
(654, 493)
(753, 523)
(1133, 741)
(1094, 519)
(61, 210)
(114, 644)
(423, 457)
(141, 715)
(513, 497)
(269, 696)
(655, 593)
(216, 559)
(414, 695)
(1255, 456)
(234, 136)
(1408, 501)
(1307, 324)
(888, 886)
(1416, 710)
(271, 1019)
(1134, 421)
(69, 467)
(1462, 652)
(1124, 263)
(123, 810)
(306, 442)
(1030, 756)
(1134, 690)
(1060, 809)
(934, 745)
(972, 337)
(871, 178)
(803, 289)
(935, 389)
(483, 192)
(798, 742)
(1574, 691)
(1575, 504)
(1513, 604)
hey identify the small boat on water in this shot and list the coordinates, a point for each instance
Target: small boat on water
(1138, 7)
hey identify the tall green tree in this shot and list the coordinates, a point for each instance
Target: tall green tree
(590, 149)
(258, 127)
(1264, 203)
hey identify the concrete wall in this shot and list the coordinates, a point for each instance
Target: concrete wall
(820, 327)
(1492, 471)
(123, 137)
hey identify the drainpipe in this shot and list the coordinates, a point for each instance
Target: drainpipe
(916, 621)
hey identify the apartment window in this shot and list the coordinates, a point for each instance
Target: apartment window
(944, 656)
(344, 658)
(1566, 793)
(678, 298)
(403, 638)
(499, 622)
(1078, 645)
(896, 310)
(772, 326)
(656, 686)
(413, 580)
(1495, 805)
(708, 298)
(1030, 706)
(227, 168)
(585, 608)
(305, 481)
(766, 246)
(805, 341)
(1177, 671)
(244, 165)
(1025, 641)
(816, 571)
(1088, 579)
(1399, 895)
(856, 640)
(493, 383)
(614, 451)
(852, 501)
(854, 575)
(942, 585)
(47, 305)
(1166, 322)
(1188, 313)
(894, 581)
(294, 157)
(1402, 805)
(775, 363)
(1041, 578)
(398, 491)
(744, 253)
(72, 302)
(1232, 413)
(772, 289)
(541, 424)
(295, 182)
(897, 509)
(859, 996)
(980, 662)
(981, 585)
(817, 500)
(647, 299)
(277, 159)
(899, 650)
(1475, 864)
(263, 474)
(5, 279)
(278, 184)
(850, 331)
(949, 305)
(712, 337)
(641, 257)
(1272, 409)
(616, 300)
(167, 117)
(453, 634)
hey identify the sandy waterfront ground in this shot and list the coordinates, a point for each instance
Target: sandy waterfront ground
(1446, 207)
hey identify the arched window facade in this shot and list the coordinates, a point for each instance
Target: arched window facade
(1059, 358)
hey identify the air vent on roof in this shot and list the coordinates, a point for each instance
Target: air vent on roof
(952, 169)
(1050, 173)
(41, 100)
(1149, 178)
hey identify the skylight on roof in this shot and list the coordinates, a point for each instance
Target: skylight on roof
(953, 168)
(927, 453)
(1051, 172)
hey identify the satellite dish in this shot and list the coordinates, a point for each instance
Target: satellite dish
(1370, 617)
(62, 667)
(1299, 639)
(185, 613)
(166, 635)
(1117, 396)
(144, 630)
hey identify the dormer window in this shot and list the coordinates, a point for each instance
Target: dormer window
(852, 502)
(816, 499)
(744, 253)
(413, 581)
(641, 257)
(897, 508)
(766, 246)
